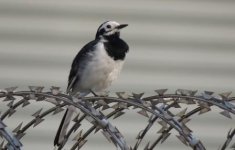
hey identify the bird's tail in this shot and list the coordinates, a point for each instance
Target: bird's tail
(61, 132)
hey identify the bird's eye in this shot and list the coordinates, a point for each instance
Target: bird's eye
(108, 26)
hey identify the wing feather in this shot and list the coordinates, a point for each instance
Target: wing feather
(79, 63)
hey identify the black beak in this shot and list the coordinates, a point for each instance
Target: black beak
(121, 26)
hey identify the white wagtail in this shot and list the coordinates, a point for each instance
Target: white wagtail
(96, 65)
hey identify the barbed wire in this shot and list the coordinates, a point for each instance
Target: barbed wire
(156, 108)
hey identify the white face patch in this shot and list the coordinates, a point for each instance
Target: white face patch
(109, 28)
(111, 32)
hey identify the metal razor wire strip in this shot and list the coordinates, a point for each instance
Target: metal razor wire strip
(13, 142)
(95, 117)
(99, 120)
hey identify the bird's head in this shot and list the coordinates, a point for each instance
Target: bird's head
(109, 28)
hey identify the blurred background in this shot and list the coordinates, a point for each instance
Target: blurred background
(187, 44)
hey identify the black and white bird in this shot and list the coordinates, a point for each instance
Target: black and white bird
(94, 68)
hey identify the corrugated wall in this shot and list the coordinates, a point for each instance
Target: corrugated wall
(173, 44)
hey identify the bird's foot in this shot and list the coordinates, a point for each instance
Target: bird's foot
(94, 93)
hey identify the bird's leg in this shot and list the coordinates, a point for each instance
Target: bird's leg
(93, 93)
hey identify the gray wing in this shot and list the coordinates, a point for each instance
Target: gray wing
(78, 65)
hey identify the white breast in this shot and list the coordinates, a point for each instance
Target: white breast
(100, 71)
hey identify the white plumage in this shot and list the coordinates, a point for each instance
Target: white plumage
(100, 71)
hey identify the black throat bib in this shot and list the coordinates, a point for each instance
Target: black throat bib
(116, 47)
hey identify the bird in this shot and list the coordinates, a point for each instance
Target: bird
(94, 68)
